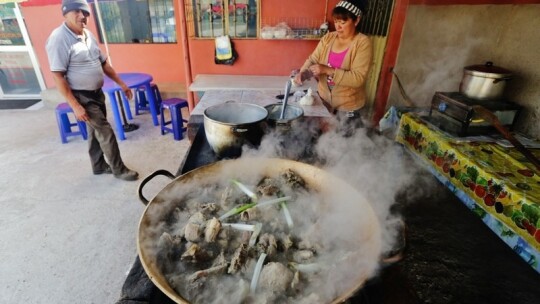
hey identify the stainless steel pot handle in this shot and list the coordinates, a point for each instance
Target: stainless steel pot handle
(502, 79)
(147, 179)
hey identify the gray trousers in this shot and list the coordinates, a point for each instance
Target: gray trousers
(101, 138)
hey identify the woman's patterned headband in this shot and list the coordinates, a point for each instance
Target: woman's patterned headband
(350, 7)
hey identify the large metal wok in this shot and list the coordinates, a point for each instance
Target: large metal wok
(335, 190)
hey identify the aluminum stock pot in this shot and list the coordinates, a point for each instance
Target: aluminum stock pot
(339, 194)
(484, 81)
(292, 114)
(230, 125)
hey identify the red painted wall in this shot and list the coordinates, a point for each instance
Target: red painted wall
(471, 2)
(260, 56)
(165, 61)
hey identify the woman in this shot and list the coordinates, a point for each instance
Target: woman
(341, 63)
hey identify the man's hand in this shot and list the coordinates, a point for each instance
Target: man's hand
(127, 91)
(80, 113)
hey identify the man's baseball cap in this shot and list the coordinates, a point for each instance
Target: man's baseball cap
(71, 5)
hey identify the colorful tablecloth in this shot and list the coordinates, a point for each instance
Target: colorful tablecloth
(498, 183)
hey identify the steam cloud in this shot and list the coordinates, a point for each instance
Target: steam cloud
(373, 165)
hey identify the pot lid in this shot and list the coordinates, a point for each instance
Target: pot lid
(488, 70)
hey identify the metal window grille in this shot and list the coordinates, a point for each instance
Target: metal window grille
(137, 21)
(213, 18)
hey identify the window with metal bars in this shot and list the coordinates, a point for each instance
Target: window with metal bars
(136, 21)
(213, 18)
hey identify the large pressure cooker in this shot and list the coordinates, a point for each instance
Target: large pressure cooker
(484, 81)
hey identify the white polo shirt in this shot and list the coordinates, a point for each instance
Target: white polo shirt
(77, 55)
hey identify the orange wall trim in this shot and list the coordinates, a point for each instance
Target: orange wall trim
(392, 48)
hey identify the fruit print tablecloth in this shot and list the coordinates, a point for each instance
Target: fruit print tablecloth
(499, 184)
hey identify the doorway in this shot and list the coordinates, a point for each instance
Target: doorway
(20, 75)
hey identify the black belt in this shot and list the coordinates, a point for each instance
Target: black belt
(97, 91)
(349, 114)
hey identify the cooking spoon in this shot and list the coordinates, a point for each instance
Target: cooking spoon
(285, 98)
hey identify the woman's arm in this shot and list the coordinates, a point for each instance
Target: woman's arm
(360, 64)
(315, 57)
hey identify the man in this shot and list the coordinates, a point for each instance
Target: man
(78, 67)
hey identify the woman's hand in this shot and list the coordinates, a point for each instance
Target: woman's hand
(297, 79)
(319, 69)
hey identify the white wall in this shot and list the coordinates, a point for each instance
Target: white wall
(438, 41)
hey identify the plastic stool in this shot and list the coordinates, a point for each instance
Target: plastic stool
(174, 105)
(141, 102)
(64, 124)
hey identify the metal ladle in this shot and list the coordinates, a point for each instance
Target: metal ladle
(285, 98)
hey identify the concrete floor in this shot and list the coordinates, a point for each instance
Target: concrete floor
(68, 236)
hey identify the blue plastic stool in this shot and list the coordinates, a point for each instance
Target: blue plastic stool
(174, 105)
(141, 102)
(64, 124)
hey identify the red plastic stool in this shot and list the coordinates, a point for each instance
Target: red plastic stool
(64, 124)
(174, 105)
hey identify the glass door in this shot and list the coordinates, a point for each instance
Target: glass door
(20, 76)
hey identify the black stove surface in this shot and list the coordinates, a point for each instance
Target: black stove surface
(450, 256)
(491, 104)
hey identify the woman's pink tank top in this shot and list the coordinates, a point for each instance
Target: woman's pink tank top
(335, 60)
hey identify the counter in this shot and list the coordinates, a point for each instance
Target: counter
(495, 182)
(258, 97)
(206, 82)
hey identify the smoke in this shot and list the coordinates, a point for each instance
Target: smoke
(374, 165)
(349, 219)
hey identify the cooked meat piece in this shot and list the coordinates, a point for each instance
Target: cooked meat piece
(219, 260)
(192, 253)
(212, 229)
(267, 243)
(165, 240)
(239, 258)
(296, 283)
(192, 232)
(302, 255)
(284, 241)
(308, 245)
(292, 179)
(207, 272)
(227, 199)
(312, 298)
(268, 187)
(276, 277)
(197, 218)
(209, 208)
(250, 214)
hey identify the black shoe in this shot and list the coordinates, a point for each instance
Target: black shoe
(107, 170)
(128, 175)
